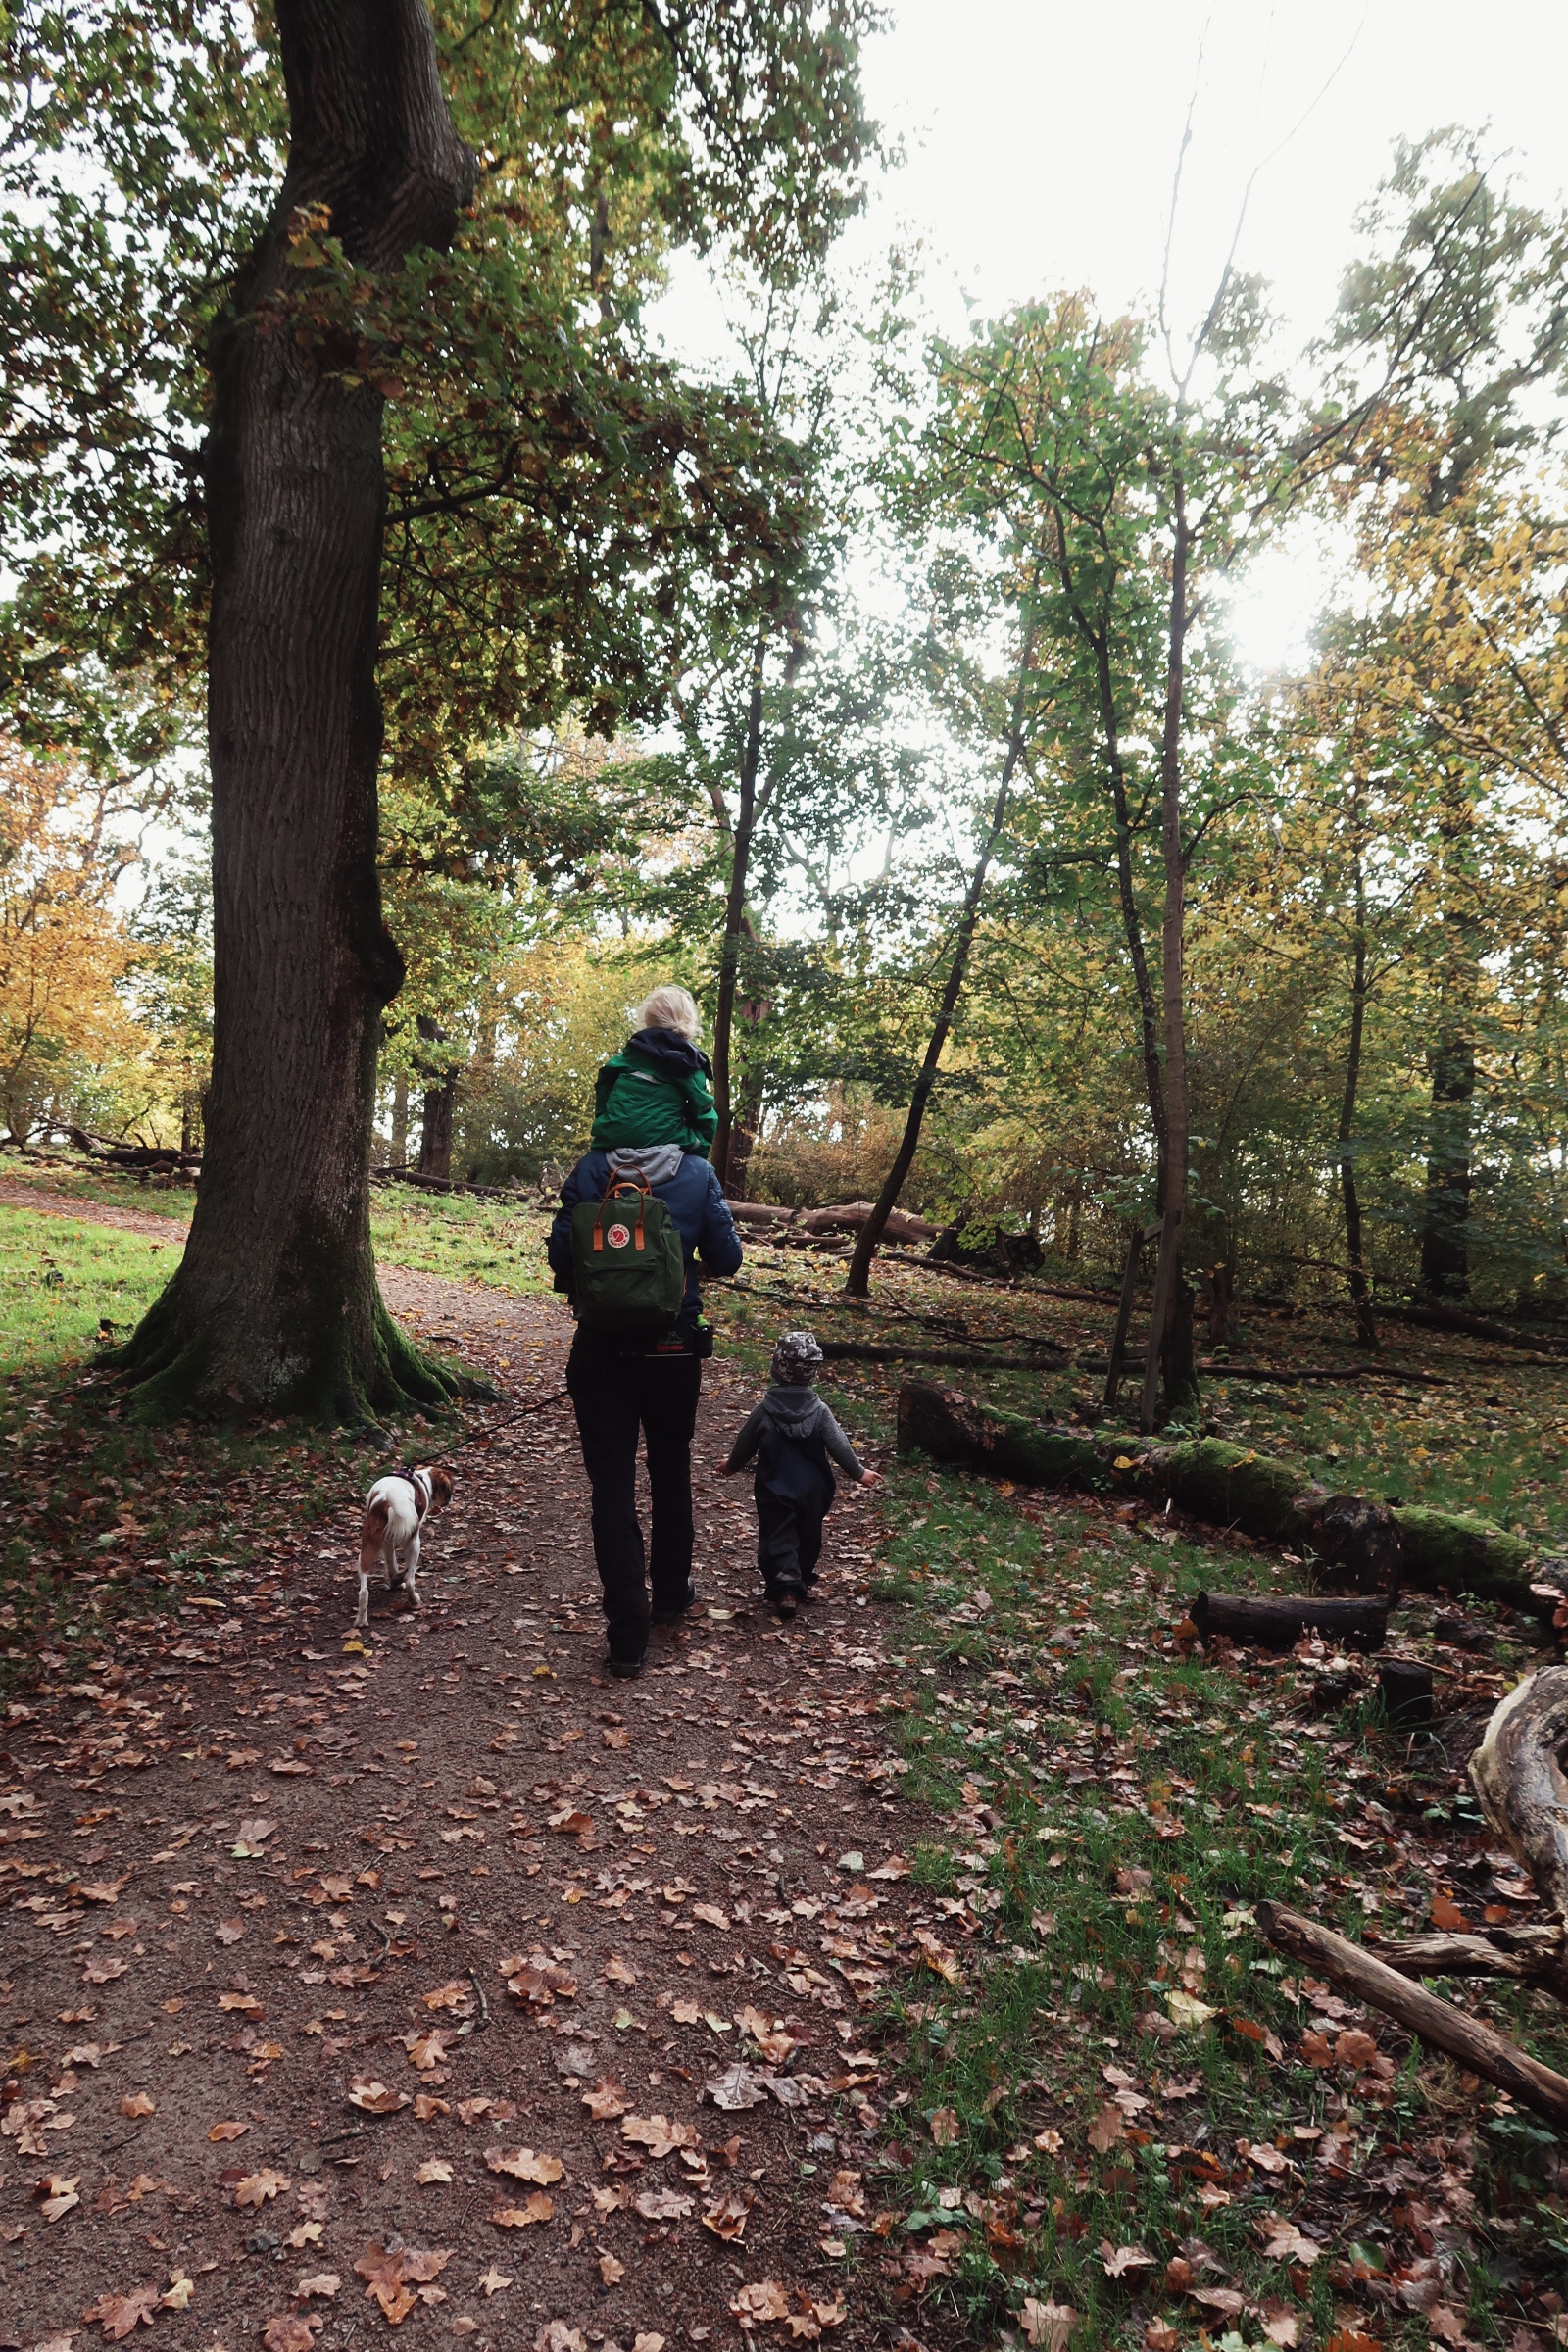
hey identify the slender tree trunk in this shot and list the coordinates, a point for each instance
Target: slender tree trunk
(1098, 641)
(729, 957)
(748, 1116)
(1138, 1242)
(858, 1281)
(1366, 1330)
(1446, 1216)
(435, 1133)
(1170, 1359)
(275, 1305)
(400, 1120)
(1445, 1220)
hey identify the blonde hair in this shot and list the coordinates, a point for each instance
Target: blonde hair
(670, 1009)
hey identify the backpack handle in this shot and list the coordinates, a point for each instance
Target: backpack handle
(622, 1184)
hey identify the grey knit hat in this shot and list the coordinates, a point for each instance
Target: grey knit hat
(796, 1359)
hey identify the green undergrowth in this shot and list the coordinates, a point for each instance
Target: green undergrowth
(1117, 2098)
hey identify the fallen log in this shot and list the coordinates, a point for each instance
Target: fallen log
(1526, 1955)
(872, 1352)
(1519, 1780)
(1435, 2022)
(848, 1216)
(1226, 1486)
(1478, 1327)
(1280, 1623)
(445, 1184)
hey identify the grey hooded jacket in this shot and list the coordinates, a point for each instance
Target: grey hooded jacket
(793, 1435)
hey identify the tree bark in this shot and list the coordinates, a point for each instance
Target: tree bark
(1366, 1331)
(1138, 1243)
(440, 1096)
(1170, 1365)
(1446, 1222)
(858, 1283)
(275, 1306)
(1098, 641)
(748, 1120)
(1519, 1780)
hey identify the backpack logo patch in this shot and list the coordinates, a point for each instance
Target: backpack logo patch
(617, 1236)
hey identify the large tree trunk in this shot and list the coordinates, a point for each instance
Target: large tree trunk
(276, 1304)
(1172, 1365)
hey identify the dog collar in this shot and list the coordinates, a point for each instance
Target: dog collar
(420, 1484)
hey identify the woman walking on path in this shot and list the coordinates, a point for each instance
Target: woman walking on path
(621, 1383)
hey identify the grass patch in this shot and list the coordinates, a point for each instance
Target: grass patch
(468, 1240)
(60, 1281)
(497, 1242)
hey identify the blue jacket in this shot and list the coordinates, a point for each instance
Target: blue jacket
(695, 1199)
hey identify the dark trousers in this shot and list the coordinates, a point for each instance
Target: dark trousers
(614, 1397)
(789, 1540)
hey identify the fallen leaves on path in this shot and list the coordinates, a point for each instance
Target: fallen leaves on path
(522, 2164)
(119, 2314)
(397, 2278)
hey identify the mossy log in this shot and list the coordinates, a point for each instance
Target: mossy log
(1371, 1546)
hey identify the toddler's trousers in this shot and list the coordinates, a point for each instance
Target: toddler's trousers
(788, 1541)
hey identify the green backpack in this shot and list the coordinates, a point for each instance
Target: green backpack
(629, 1267)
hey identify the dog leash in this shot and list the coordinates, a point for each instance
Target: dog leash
(538, 1405)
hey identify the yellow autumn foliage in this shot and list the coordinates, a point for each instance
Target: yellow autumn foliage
(62, 949)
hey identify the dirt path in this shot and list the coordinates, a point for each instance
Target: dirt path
(269, 1889)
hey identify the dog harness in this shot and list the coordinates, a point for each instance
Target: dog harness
(420, 1484)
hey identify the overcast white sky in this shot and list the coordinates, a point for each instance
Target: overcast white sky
(1041, 141)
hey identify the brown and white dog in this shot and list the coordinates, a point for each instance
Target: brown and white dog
(395, 1512)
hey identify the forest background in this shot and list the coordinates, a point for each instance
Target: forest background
(1275, 948)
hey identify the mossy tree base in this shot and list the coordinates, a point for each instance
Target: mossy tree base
(1226, 1486)
(176, 1366)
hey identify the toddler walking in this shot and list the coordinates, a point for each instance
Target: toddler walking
(793, 1435)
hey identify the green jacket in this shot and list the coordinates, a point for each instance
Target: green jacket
(655, 1091)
